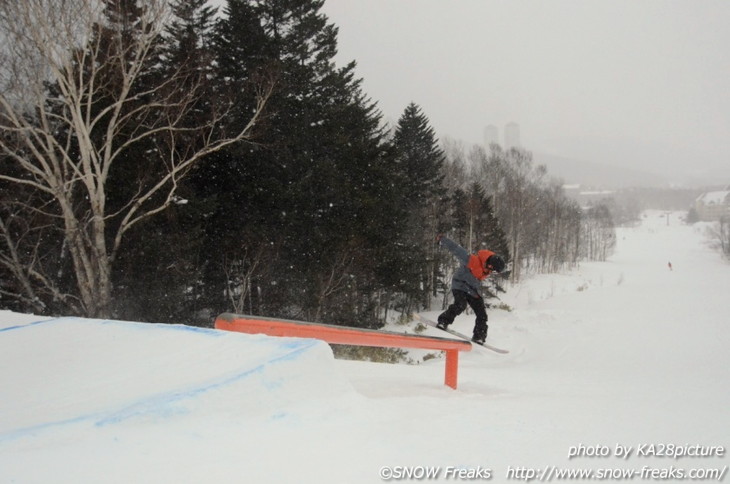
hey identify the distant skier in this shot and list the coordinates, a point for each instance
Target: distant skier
(466, 283)
(670, 265)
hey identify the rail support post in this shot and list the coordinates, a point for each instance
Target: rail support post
(452, 368)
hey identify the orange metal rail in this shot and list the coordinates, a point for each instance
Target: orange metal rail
(350, 336)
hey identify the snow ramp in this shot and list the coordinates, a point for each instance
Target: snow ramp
(62, 376)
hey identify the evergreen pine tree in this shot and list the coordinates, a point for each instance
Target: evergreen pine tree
(418, 172)
(419, 156)
(324, 141)
(312, 199)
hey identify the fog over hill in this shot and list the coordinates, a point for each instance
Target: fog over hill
(591, 174)
(614, 176)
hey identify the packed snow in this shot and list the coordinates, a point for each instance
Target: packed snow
(627, 356)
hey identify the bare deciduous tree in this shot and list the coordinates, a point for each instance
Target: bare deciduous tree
(63, 142)
(719, 234)
(332, 281)
(599, 236)
(240, 272)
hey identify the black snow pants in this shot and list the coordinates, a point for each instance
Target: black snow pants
(461, 299)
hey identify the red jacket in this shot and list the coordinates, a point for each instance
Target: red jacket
(478, 264)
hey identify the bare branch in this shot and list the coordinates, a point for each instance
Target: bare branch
(72, 104)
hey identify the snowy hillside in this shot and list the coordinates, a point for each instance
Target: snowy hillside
(626, 353)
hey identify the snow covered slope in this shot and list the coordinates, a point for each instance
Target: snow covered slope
(622, 353)
(105, 401)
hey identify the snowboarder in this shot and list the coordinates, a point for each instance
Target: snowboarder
(465, 285)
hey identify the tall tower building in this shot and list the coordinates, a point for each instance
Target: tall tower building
(512, 136)
(491, 136)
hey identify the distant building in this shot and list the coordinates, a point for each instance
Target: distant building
(586, 197)
(491, 136)
(512, 136)
(712, 206)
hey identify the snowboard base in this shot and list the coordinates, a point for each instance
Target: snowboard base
(459, 335)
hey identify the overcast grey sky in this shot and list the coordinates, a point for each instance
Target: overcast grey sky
(612, 81)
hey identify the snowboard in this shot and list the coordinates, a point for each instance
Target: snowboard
(459, 335)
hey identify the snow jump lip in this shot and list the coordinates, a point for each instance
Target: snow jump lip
(347, 335)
